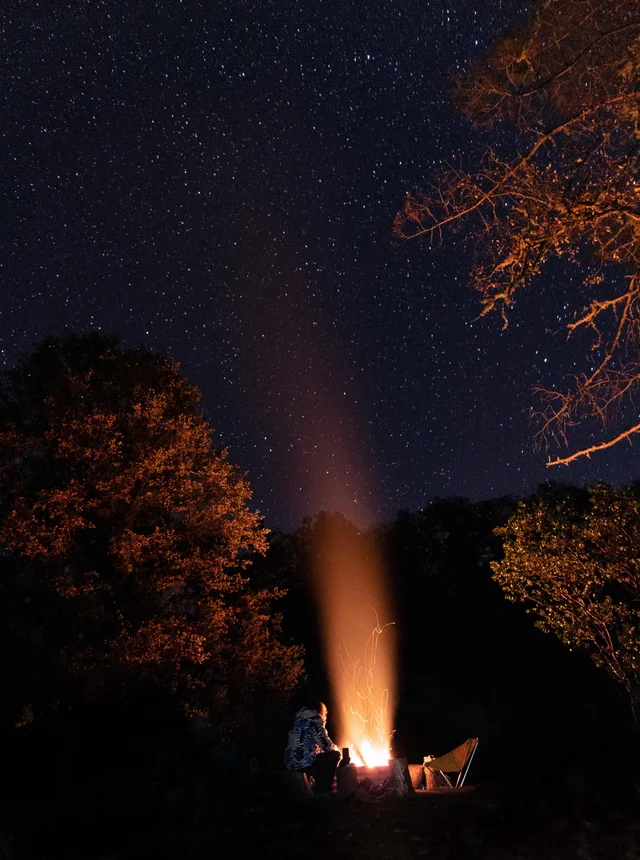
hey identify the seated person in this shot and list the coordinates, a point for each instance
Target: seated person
(310, 749)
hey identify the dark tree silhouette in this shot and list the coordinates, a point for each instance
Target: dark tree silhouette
(569, 84)
(574, 564)
(127, 539)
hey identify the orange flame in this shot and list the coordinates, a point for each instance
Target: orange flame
(367, 720)
(351, 591)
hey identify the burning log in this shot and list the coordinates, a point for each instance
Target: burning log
(392, 778)
(377, 775)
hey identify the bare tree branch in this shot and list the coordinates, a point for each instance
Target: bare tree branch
(601, 446)
(570, 81)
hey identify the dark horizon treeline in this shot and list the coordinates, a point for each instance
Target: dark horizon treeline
(551, 725)
(151, 630)
(470, 662)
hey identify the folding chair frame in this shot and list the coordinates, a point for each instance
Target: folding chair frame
(462, 775)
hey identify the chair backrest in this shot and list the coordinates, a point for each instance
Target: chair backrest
(454, 761)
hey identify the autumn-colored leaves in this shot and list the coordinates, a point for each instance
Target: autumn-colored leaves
(562, 176)
(573, 559)
(130, 532)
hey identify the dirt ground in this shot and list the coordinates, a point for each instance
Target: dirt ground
(485, 822)
(479, 824)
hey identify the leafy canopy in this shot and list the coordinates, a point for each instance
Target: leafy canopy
(129, 536)
(574, 561)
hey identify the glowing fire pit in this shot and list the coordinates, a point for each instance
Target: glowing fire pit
(369, 756)
(381, 780)
(352, 594)
(375, 774)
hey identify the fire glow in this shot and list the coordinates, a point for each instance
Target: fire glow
(351, 592)
(367, 721)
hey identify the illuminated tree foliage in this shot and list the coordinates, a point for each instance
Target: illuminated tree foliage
(575, 563)
(127, 538)
(569, 84)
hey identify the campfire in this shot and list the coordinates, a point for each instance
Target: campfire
(352, 598)
(366, 718)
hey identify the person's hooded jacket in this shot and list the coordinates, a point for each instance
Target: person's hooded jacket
(307, 738)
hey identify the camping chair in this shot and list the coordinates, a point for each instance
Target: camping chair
(457, 761)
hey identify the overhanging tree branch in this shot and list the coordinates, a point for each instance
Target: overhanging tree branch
(571, 83)
(601, 446)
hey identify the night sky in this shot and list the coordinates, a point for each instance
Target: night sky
(218, 180)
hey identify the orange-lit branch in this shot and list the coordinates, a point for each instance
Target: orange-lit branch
(569, 81)
(601, 446)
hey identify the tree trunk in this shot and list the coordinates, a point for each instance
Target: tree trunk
(346, 781)
(430, 780)
(416, 772)
(400, 772)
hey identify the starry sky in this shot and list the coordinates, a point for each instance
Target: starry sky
(218, 179)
